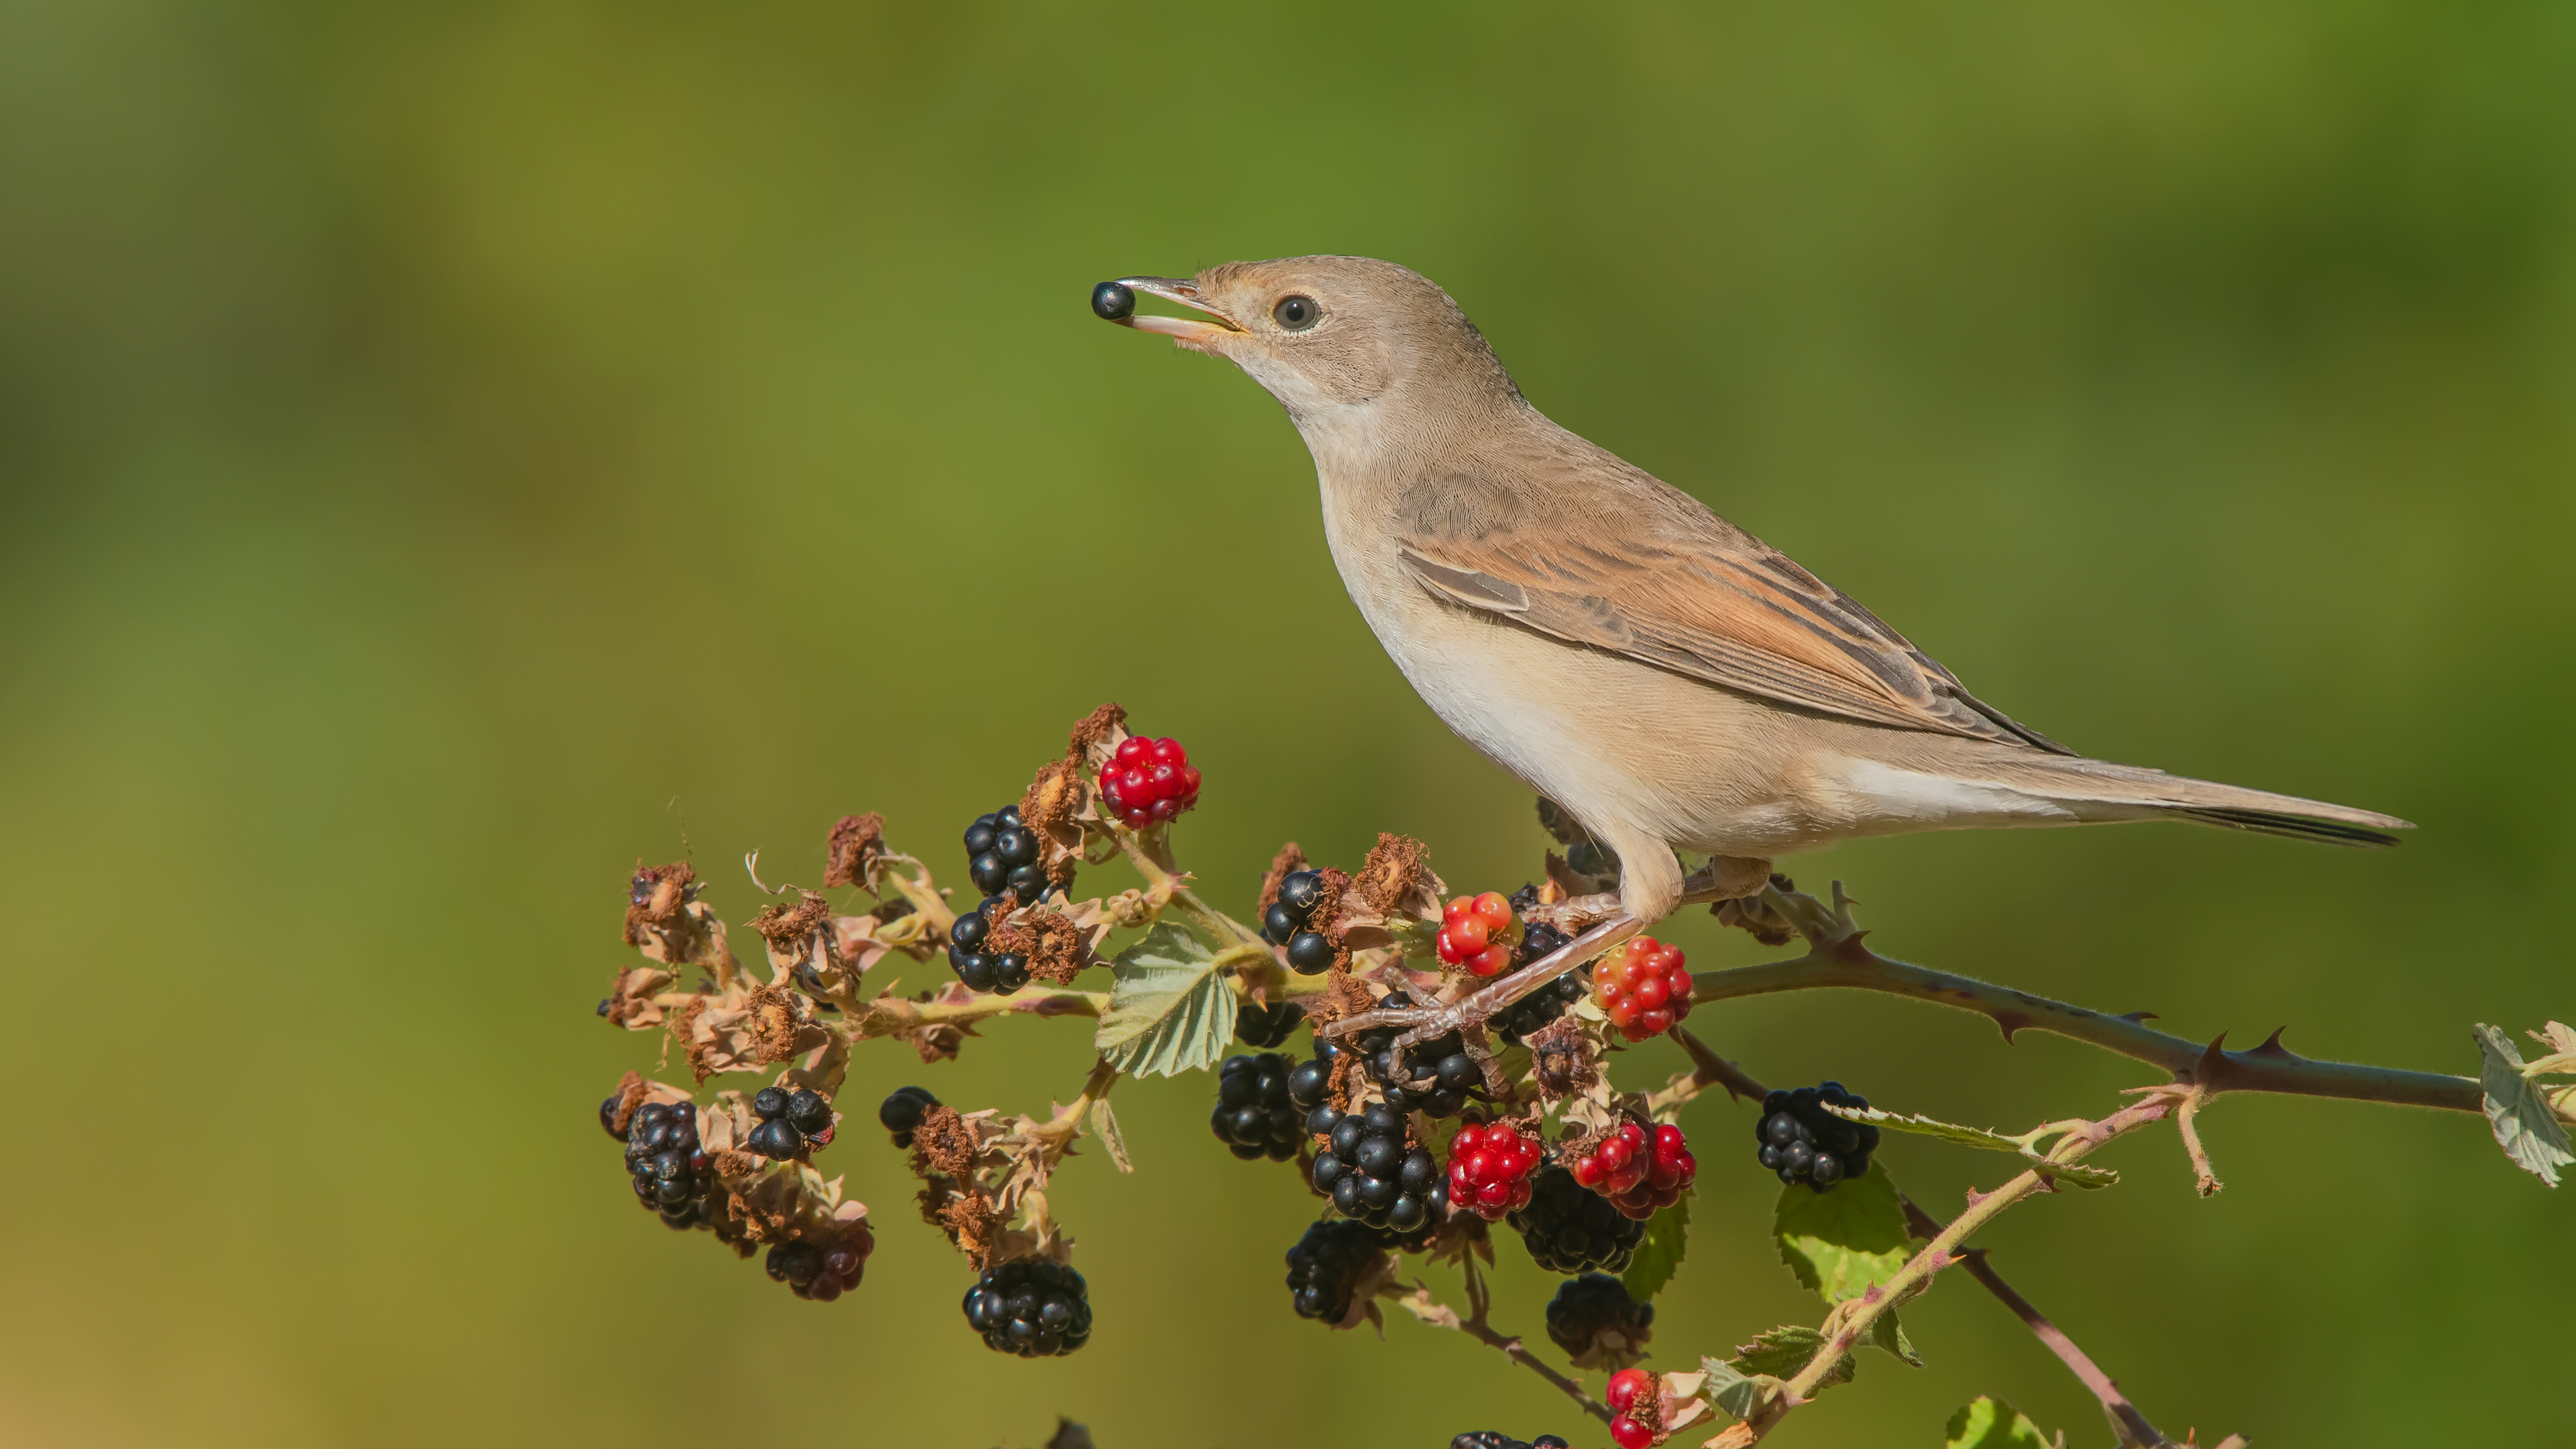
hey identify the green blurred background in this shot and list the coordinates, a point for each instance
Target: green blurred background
(448, 452)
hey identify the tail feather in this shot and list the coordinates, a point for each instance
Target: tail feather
(2295, 827)
(2132, 791)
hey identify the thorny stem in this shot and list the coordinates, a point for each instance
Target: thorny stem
(1710, 1069)
(1852, 1320)
(1480, 1302)
(1150, 851)
(2204, 1178)
(2126, 1420)
(1836, 957)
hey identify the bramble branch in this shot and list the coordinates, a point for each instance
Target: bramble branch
(1837, 958)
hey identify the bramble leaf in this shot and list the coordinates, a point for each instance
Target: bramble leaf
(1888, 1334)
(2524, 1125)
(1104, 1125)
(1990, 1423)
(2078, 1173)
(1781, 1352)
(1735, 1392)
(1169, 1010)
(1842, 1241)
(1655, 1259)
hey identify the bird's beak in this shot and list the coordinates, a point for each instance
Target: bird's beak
(1187, 331)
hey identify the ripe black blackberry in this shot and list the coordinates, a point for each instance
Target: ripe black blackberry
(1372, 1176)
(1803, 1142)
(1569, 1228)
(815, 1271)
(1002, 854)
(1290, 922)
(1595, 1321)
(1325, 1267)
(980, 969)
(1436, 1078)
(666, 1162)
(1269, 1026)
(1533, 1012)
(901, 1112)
(1033, 1308)
(791, 1123)
(1254, 1117)
(1496, 1439)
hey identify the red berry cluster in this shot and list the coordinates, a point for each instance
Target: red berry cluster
(1642, 988)
(1638, 1407)
(1639, 1173)
(1148, 782)
(1489, 1169)
(1477, 932)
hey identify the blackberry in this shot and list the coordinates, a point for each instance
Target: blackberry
(1533, 1012)
(1496, 1439)
(792, 1123)
(816, 1271)
(901, 1113)
(1595, 1321)
(1268, 1026)
(1371, 1175)
(1325, 1267)
(980, 969)
(1290, 922)
(1033, 1308)
(1570, 1229)
(1003, 854)
(1803, 1142)
(666, 1163)
(1254, 1116)
(1437, 1077)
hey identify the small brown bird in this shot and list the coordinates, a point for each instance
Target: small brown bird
(1666, 677)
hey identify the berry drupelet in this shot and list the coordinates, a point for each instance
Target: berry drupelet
(1803, 1142)
(1326, 1265)
(1033, 1308)
(1533, 1012)
(902, 1111)
(1372, 1176)
(1595, 1321)
(791, 1123)
(1478, 934)
(1569, 1229)
(817, 1271)
(1002, 855)
(1436, 1078)
(1496, 1439)
(1632, 1396)
(980, 969)
(664, 1159)
(1149, 782)
(1642, 987)
(1291, 922)
(1268, 1026)
(1254, 1117)
(1489, 1169)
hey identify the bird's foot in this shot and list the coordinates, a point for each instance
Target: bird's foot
(1419, 1024)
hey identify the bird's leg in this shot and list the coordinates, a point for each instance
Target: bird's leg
(1476, 1008)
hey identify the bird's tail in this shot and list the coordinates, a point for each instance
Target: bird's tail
(2101, 790)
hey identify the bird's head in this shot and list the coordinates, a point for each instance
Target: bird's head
(1330, 337)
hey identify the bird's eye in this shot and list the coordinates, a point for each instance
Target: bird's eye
(1296, 314)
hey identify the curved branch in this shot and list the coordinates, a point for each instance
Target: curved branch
(1837, 958)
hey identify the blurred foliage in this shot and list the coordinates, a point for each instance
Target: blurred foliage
(450, 451)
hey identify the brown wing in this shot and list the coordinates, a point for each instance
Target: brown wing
(1721, 607)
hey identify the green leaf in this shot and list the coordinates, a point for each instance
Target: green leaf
(1990, 1423)
(1736, 1393)
(1169, 1010)
(1652, 1264)
(1840, 1242)
(1888, 1334)
(1781, 1352)
(2524, 1126)
(2078, 1173)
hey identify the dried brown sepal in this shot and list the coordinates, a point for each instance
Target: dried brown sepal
(1096, 735)
(1397, 879)
(1050, 808)
(784, 1202)
(1290, 860)
(1364, 1290)
(742, 1031)
(855, 851)
(668, 923)
(1055, 947)
(1563, 1060)
(789, 930)
(1609, 1347)
(630, 1095)
(630, 997)
(772, 1021)
(1755, 916)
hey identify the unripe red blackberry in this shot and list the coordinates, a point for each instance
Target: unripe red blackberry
(1148, 782)
(1478, 933)
(1489, 1169)
(1643, 987)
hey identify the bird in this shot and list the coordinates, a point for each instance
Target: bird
(1670, 681)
